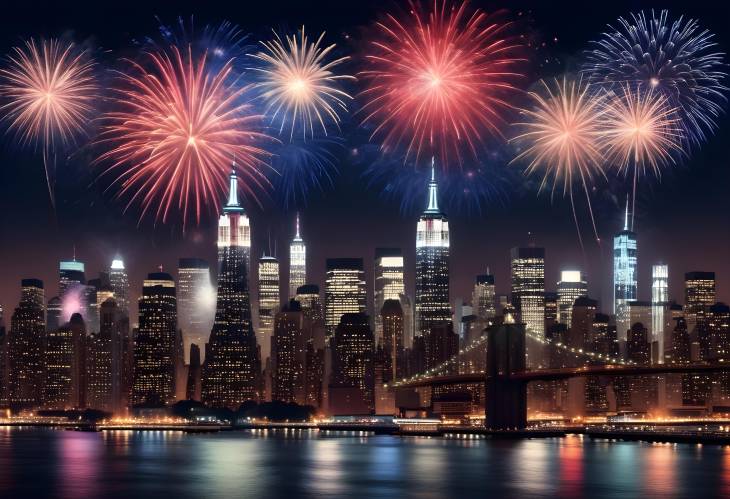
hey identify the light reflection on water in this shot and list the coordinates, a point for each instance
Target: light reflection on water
(125, 464)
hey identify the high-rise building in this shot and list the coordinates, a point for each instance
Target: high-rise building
(718, 325)
(120, 285)
(269, 302)
(311, 303)
(441, 343)
(551, 309)
(106, 386)
(25, 347)
(388, 283)
(64, 366)
(433, 301)
(483, 300)
(391, 319)
(528, 287)
(194, 374)
(351, 389)
(54, 311)
(699, 289)
(297, 262)
(624, 275)
(230, 374)
(289, 354)
(659, 305)
(76, 296)
(154, 353)
(344, 290)
(571, 286)
(196, 302)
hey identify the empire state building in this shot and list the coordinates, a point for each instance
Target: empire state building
(232, 361)
(432, 264)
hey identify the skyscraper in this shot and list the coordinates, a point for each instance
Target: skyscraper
(25, 347)
(433, 305)
(106, 387)
(231, 372)
(699, 294)
(289, 354)
(75, 296)
(353, 370)
(528, 287)
(388, 283)
(269, 302)
(391, 315)
(344, 290)
(624, 275)
(572, 285)
(297, 262)
(154, 353)
(196, 302)
(64, 366)
(120, 285)
(482, 300)
(659, 305)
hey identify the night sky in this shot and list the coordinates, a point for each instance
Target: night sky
(681, 220)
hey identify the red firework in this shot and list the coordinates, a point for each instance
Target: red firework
(437, 81)
(178, 127)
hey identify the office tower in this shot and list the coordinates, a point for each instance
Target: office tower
(718, 325)
(388, 283)
(406, 303)
(640, 311)
(432, 303)
(297, 262)
(311, 303)
(269, 302)
(699, 288)
(196, 302)
(638, 348)
(441, 343)
(106, 389)
(351, 390)
(289, 354)
(71, 274)
(194, 374)
(659, 304)
(230, 374)
(64, 366)
(551, 309)
(391, 319)
(104, 291)
(25, 347)
(76, 296)
(528, 287)
(571, 286)
(580, 331)
(54, 311)
(624, 275)
(120, 285)
(483, 300)
(344, 290)
(154, 353)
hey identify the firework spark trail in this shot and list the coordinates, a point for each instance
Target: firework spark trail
(177, 127)
(49, 89)
(640, 131)
(676, 58)
(561, 138)
(437, 80)
(299, 86)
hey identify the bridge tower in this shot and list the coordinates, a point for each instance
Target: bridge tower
(506, 404)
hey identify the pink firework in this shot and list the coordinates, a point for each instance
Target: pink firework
(438, 81)
(48, 90)
(178, 128)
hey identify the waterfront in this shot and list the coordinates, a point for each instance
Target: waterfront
(256, 464)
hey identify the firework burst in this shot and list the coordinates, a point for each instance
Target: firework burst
(177, 127)
(438, 80)
(298, 84)
(49, 89)
(677, 59)
(561, 138)
(640, 132)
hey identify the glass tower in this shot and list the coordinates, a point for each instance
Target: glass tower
(572, 285)
(659, 304)
(528, 287)
(269, 302)
(344, 290)
(432, 302)
(624, 276)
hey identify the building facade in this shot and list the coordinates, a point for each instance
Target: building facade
(624, 276)
(528, 287)
(196, 302)
(344, 291)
